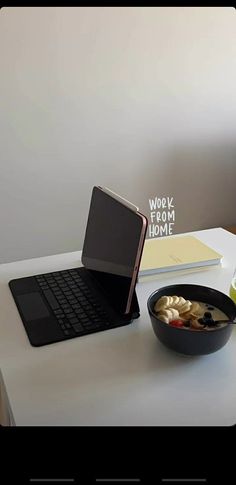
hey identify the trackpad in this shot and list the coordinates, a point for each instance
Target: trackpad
(32, 306)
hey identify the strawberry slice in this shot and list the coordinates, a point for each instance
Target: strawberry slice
(177, 323)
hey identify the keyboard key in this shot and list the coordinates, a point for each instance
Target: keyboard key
(82, 299)
(91, 313)
(86, 306)
(78, 294)
(73, 320)
(60, 298)
(60, 317)
(84, 319)
(72, 302)
(88, 325)
(78, 328)
(58, 312)
(50, 280)
(70, 315)
(51, 299)
(76, 306)
(78, 311)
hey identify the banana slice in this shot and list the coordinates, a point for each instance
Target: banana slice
(166, 302)
(163, 302)
(163, 318)
(167, 313)
(195, 308)
(175, 313)
(175, 301)
(186, 307)
(180, 303)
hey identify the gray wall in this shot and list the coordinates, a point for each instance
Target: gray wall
(141, 100)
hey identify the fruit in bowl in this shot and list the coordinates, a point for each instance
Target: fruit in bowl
(184, 318)
(194, 315)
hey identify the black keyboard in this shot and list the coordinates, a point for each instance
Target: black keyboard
(76, 309)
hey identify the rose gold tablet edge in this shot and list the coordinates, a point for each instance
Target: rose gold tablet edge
(137, 262)
(119, 198)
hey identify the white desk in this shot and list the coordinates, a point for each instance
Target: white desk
(123, 376)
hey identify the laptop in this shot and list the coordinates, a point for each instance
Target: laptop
(100, 294)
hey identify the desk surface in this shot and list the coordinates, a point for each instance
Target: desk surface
(123, 376)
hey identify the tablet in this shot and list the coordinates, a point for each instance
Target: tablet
(113, 245)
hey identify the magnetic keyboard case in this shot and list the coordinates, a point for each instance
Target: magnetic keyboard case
(42, 326)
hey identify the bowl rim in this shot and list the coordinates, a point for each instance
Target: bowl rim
(181, 329)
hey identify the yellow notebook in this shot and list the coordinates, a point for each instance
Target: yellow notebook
(176, 252)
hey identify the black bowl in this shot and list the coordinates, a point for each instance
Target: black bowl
(187, 341)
